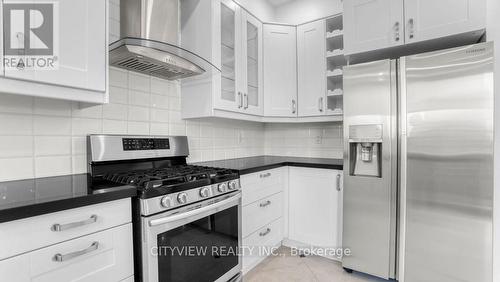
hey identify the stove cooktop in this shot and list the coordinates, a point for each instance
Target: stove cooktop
(161, 181)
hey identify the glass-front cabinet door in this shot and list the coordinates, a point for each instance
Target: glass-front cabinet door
(252, 58)
(229, 97)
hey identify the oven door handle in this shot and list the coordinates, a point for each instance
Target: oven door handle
(168, 219)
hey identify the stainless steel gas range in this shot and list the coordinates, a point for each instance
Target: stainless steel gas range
(187, 219)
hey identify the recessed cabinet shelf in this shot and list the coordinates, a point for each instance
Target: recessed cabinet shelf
(335, 61)
(335, 33)
(335, 92)
(335, 72)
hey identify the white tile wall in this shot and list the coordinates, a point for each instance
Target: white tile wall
(319, 140)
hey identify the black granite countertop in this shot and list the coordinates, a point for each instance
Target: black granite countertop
(32, 197)
(260, 163)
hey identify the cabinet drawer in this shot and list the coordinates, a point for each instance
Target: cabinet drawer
(258, 185)
(37, 232)
(268, 236)
(102, 256)
(261, 212)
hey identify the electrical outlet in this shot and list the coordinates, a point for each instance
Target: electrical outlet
(319, 139)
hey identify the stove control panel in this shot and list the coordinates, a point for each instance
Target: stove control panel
(174, 200)
(140, 144)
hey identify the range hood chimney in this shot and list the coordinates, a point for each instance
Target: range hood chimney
(149, 42)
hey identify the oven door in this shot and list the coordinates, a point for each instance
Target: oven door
(199, 242)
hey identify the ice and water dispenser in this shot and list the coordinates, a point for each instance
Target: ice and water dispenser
(365, 150)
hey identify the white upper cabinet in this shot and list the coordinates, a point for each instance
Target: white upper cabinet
(376, 24)
(280, 70)
(252, 78)
(311, 68)
(79, 44)
(429, 19)
(231, 39)
(229, 97)
(372, 24)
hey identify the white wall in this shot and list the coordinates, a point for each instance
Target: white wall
(493, 34)
(260, 8)
(301, 11)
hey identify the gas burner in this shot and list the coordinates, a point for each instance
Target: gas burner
(159, 181)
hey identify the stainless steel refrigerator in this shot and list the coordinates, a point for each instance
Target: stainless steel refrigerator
(418, 166)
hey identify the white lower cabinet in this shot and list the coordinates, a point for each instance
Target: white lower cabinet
(103, 256)
(261, 243)
(92, 243)
(262, 214)
(315, 207)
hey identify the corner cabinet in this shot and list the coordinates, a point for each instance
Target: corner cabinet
(402, 22)
(231, 39)
(80, 48)
(280, 69)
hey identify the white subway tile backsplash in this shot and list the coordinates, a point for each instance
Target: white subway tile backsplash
(11, 124)
(158, 115)
(118, 77)
(115, 111)
(136, 113)
(83, 110)
(79, 145)
(159, 101)
(16, 146)
(160, 86)
(139, 128)
(52, 107)
(50, 125)
(16, 168)
(79, 164)
(16, 104)
(159, 128)
(139, 82)
(110, 126)
(139, 98)
(84, 126)
(118, 95)
(52, 145)
(53, 165)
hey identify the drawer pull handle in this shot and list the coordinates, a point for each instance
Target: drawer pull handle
(61, 227)
(264, 175)
(262, 234)
(265, 204)
(62, 258)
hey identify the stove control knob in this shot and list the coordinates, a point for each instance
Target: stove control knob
(222, 187)
(182, 198)
(166, 202)
(233, 185)
(204, 192)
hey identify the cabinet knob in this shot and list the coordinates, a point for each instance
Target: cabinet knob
(294, 106)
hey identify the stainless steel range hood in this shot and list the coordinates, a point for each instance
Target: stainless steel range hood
(149, 38)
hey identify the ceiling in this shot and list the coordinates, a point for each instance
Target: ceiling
(277, 3)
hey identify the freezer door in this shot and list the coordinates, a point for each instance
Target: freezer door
(447, 162)
(369, 207)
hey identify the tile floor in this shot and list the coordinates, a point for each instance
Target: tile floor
(312, 268)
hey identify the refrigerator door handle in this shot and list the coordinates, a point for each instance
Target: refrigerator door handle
(402, 169)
